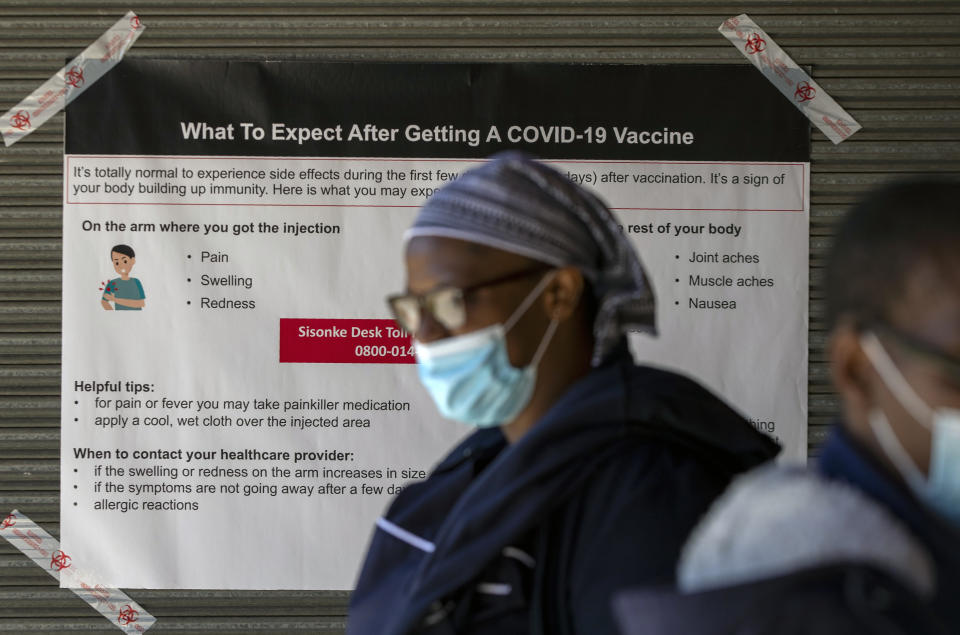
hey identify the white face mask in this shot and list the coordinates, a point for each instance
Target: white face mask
(940, 488)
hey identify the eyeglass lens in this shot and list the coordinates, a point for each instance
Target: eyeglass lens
(445, 305)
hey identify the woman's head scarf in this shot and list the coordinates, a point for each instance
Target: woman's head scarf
(522, 206)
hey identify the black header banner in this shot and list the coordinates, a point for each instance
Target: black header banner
(554, 111)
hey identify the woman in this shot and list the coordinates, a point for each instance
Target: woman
(586, 471)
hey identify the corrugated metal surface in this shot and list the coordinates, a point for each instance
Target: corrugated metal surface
(895, 65)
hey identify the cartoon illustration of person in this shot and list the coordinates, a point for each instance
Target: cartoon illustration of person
(125, 292)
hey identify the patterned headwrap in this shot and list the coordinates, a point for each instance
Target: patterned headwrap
(516, 204)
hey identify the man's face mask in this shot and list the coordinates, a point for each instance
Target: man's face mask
(470, 376)
(940, 488)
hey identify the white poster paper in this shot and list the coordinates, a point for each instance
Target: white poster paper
(238, 406)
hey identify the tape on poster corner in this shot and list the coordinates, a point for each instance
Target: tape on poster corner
(71, 80)
(790, 79)
(44, 549)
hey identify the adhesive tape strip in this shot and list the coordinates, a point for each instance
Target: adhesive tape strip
(790, 79)
(44, 549)
(71, 80)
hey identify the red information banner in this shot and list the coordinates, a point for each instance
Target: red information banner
(344, 341)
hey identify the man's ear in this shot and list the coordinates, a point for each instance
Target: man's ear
(850, 370)
(563, 293)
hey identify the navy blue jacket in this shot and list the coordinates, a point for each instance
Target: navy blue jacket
(846, 591)
(535, 536)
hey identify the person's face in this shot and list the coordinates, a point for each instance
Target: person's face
(927, 316)
(434, 262)
(122, 263)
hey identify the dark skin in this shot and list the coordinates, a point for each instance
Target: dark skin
(434, 262)
(928, 309)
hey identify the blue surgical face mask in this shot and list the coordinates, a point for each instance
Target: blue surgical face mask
(940, 487)
(470, 376)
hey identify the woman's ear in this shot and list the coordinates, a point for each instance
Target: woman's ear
(563, 293)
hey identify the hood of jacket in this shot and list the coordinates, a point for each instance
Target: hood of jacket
(788, 549)
(775, 520)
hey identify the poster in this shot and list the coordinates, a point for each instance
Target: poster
(238, 407)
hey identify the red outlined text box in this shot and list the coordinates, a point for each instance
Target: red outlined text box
(561, 164)
(344, 341)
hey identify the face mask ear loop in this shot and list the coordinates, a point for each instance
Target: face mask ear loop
(895, 380)
(894, 449)
(545, 342)
(527, 301)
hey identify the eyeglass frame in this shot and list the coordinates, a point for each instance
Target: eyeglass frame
(424, 298)
(917, 346)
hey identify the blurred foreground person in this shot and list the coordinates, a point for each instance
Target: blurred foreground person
(586, 472)
(868, 540)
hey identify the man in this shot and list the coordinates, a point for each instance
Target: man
(586, 472)
(868, 540)
(125, 292)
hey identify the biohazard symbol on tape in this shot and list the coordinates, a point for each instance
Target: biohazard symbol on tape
(755, 44)
(135, 22)
(127, 616)
(44, 550)
(805, 92)
(59, 561)
(74, 76)
(20, 120)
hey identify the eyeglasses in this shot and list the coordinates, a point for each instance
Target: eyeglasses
(447, 305)
(917, 346)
